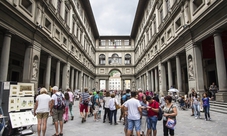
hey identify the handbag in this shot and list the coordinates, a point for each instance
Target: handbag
(171, 123)
(117, 106)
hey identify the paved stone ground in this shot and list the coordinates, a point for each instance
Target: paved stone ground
(186, 126)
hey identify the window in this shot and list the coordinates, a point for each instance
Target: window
(57, 34)
(168, 4)
(66, 16)
(27, 4)
(81, 35)
(161, 15)
(72, 48)
(154, 26)
(64, 41)
(197, 4)
(127, 59)
(102, 42)
(59, 7)
(102, 59)
(169, 34)
(126, 42)
(73, 27)
(162, 40)
(48, 24)
(178, 23)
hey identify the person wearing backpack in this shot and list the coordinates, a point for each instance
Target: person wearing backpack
(152, 116)
(97, 105)
(83, 104)
(57, 110)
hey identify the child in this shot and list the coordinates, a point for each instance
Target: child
(206, 106)
(67, 101)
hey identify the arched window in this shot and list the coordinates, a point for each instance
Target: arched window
(127, 59)
(102, 59)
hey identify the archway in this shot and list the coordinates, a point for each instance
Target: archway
(115, 80)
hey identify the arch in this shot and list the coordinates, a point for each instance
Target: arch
(102, 59)
(115, 69)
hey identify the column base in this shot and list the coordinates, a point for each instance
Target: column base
(221, 97)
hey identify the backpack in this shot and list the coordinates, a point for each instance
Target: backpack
(160, 114)
(60, 102)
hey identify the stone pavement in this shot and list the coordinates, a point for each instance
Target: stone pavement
(186, 126)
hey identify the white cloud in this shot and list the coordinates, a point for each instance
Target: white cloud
(114, 17)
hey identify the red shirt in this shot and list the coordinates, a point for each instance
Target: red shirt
(154, 105)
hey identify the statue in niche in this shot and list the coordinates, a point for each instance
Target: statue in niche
(190, 67)
(35, 69)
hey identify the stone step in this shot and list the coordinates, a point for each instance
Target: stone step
(219, 107)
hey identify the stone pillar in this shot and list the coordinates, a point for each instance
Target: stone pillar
(76, 80)
(107, 84)
(148, 81)
(48, 69)
(122, 84)
(221, 68)
(145, 82)
(163, 88)
(156, 79)
(198, 69)
(27, 65)
(179, 77)
(85, 81)
(140, 83)
(170, 77)
(57, 73)
(152, 80)
(164, 8)
(5, 57)
(62, 12)
(81, 79)
(65, 76)
(89, 83)
(72, 79)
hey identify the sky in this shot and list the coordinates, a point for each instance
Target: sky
(114, 17)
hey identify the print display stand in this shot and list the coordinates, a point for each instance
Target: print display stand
(20, 105)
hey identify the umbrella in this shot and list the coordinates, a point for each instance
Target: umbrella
(173, 90)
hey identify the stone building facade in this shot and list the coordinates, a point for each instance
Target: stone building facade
(179, 43)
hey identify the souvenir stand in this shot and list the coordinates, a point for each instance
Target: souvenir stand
(20, 105)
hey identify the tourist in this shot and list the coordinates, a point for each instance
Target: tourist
(57, 110)
(169, 111)
(213, 89)
(134, 112)
(191, 100)
(144, 104)
(41, 109)
(90, 105)
(140, 95)
(106, 100)
(97, 105)
(206, 106)
(152, 116)
(122, 109)
(71, 99)
(196, 105)
(162, 103)
(113, 109)
(83, 103)
(66, 113)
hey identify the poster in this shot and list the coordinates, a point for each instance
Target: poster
(14, 89)
(26, 89)
(6, 85)
(26, 102)
(12, 104)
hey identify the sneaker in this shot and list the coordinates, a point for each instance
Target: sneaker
(115, 123)
(209, 118)
(205, 119)
(196, 117)
(199, 117)
(192, 115)
(104, 121)
(72, 117)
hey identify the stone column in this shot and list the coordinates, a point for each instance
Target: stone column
(122, 84)
(221, 68)
(48, 69)
(84, 79)
(57, 73)
(76, 80)
(170, 77)
(156, 79)
(179, 77)
(148, 81)
(198, 69)
(145, 82)
(62, 12)
(163, 80)
(152, 80)
(72, 79)
(64, 76)
(164, 8)
(5, 57)
(140, 82)
(107, 84)
(27, 64)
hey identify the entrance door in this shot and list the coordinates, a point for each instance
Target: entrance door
(212, 77)
(15, 76)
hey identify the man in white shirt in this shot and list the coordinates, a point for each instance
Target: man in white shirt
(134, 112)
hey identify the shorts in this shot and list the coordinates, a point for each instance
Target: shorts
(42, 115)
(57, 115)
(152, 122)
(83, 107)
(96, 109)
(134, 123)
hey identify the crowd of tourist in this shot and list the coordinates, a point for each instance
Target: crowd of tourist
(139, 110)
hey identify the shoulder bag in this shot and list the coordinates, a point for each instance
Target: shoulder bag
(170, 122)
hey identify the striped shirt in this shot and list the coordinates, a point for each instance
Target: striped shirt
(84, 96)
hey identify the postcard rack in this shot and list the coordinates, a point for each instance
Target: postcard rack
(20, 105)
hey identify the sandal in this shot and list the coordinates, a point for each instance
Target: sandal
(61, 134)
(55, 135)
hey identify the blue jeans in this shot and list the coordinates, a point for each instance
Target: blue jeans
(134, 123)
(207, 111)
(196, 110)
(113, 113)
(152, 122)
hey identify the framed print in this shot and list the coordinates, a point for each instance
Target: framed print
(26, 102)
(14, 89)
(12, 104)
(17, 108)
(27, 89)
